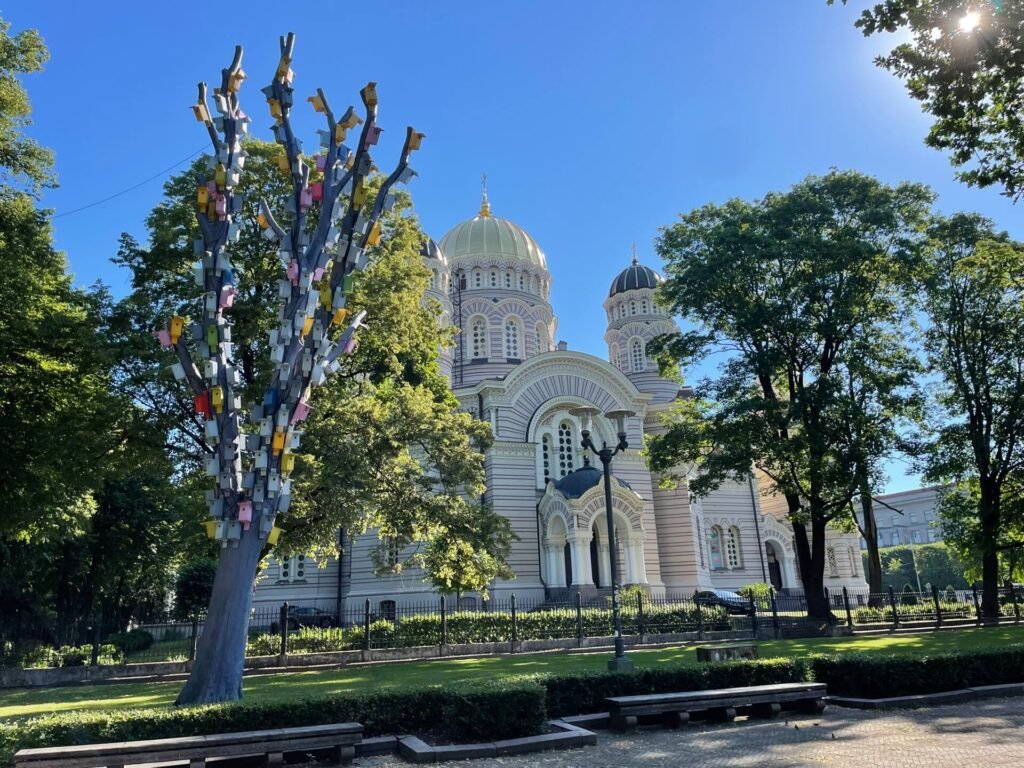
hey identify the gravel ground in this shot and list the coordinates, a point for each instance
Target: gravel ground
(980, 733)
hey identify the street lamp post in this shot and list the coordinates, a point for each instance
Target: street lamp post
(620, 663)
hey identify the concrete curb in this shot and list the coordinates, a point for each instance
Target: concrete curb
(567, 736)
(930, 699)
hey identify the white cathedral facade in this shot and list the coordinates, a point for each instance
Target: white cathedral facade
(492, 281)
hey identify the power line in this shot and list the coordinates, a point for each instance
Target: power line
(131, 188)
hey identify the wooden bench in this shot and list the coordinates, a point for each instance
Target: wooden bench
(675, 709)
(339, 738)
(729, 652)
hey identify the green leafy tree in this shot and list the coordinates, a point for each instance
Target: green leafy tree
(964, 62)
(193, 585)
(23, 163)
(975, 342)
(788, 288)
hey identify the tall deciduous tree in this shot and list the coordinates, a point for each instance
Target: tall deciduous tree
(965, 63)
(788, 288)
(975, 341)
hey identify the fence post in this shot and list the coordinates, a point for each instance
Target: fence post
(194, 637)
(846, 605)
(444, 621)
(700, 617)
(775, 616)
(753, 615)
(828, 602)
(366, 625)
(283, 621)
(1016, 605)
(579, 619)
(95, 660)
(977, 605)
(895, 613)
(938, 606)
(515, 622)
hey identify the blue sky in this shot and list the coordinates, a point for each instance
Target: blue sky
(595, 122)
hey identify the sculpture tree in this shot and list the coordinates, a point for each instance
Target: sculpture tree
(321, 257)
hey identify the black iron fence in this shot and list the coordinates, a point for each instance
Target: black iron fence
(500, 625)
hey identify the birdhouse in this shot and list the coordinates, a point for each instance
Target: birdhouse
(287, 462)
(211, 336)
(374, 237)
(369, 94)
(212, 466)
(316, 190)
(275, 109)
(317, 102)
(210, 369)
(266, 427)
(293, 271)
(176, 327)
(202, 404)
(227, 296)
(164, 337)
(212, 433)
(202, 197)
(339, 316)
(235, 81)
(219, 175)
(305, 199)
(282, 163)
(321, 162)
(358, 196)
(260, 460)
(202, 113)
(245, 512)
(348, 284)
(211, 529)
(217, 399)
(307, 326)
(406, 175)
(211, 301)
(415, 139)
(274, 536)
(373, 134)
(278, 442)
(273, 482)
(301, 412)
(179, 371)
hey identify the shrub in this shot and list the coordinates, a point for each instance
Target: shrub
(908, 597)
(466, 712)
(883, 676)
(132, 641)
(759, 591)
(263, 645)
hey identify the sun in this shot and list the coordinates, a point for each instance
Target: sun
(970, 21)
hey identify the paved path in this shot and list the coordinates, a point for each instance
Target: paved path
(981, 733)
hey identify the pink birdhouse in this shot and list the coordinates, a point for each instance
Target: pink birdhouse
(372, 135)
(318, 273)
(227, 296)
(245, 513)
(321, 162)
(293, 271)
(306, 198)
(350, 345)
(301, 412)
(221, 206)
(316, 190)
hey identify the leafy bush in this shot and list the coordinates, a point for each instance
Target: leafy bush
(882, 676)
(263, 645)
(759, 591)
(132, 641)
(466, 712)
(908, 597)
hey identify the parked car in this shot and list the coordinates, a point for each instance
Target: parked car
(303, 616)
(732, 602)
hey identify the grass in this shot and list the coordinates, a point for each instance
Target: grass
(21, 703)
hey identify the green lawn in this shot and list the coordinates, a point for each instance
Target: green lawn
(26, 702)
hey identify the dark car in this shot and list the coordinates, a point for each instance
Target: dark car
(732, 602)
(302, 616)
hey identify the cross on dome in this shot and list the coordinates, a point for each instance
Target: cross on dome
(485, 206)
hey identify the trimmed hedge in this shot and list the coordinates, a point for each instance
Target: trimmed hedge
(877, 677)
(466, 712)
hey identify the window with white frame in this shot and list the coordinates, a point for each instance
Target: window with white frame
(637, 358)
(931, 534)
(917, 537)
(566, 448)
(511, 338)
(292, 569)
(478, 326)
(732, 547)
(392, 552)
(833, 566)
(914, 516)
(715, 548)
(854, 557)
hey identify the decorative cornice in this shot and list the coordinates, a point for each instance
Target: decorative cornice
(510, 449)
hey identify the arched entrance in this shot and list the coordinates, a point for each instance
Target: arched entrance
(774, 561)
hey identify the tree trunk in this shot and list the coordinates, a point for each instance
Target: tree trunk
(870, 530)
(811, 556)
(220, 652)
(988, 513)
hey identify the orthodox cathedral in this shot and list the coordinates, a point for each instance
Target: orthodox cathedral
(491, 279)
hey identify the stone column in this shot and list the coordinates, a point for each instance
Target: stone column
(580, 544)
(556, 565)
(637, 565)
(604, 566)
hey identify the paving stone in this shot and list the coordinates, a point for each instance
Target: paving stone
(981, 733)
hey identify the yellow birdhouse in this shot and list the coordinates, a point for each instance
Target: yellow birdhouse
(235, 81)
(340, 132)
(211, 529)
(350, 120)
(283, 164)
(374, 237)
(217, 398)
(284, 70)
(358, 196)
(369, 94)
(339, 316)
(202, 113)
(415, 139)
(278, 443)
(317, 102)
(307, 326)
(325, 294)
(288, 462)
(203, 197)
(274, 536)
(177, 325)
(220, 175)
(261, 221)
(275, 109)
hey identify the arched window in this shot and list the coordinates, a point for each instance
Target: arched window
(632, 307)
(522, 282)
(512, 338)
(508, 279)
(494, 278)
(292, 569)
(478, 333)
(622, 309)
(545, 454)
(833, 566)
(614, 354)
(643, 306)
(478, 279)
(542, 338)
(388, 610)
(566, 448)
(854, 557)
(732, 548)
(433, 279)
(637, 358)
(715, 548)
(700, 544)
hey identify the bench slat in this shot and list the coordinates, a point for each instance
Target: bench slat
(271, 736)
